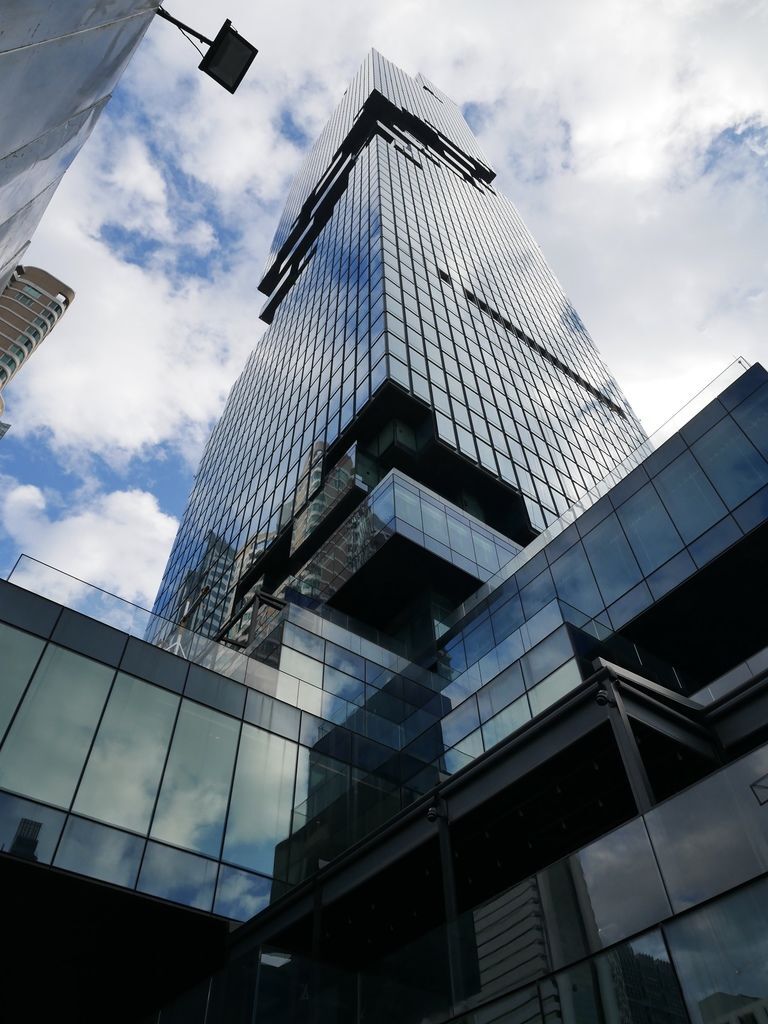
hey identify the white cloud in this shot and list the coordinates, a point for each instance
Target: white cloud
(118, 541)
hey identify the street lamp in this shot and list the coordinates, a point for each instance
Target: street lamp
(228, 57)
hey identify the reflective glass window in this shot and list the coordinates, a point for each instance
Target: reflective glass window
(18, 656)
(304, 641)
(120, 781)
(262, 799)
(607, 891)
(460, 722)
(342, 685)
(539, 592)
(29, 830)
(721, 955)
(486, 553)
(651, 533)
(273, 715)
(239, 894)
(178, 876)
(690, 498)
(611, 558)
(193, 797)
(408, 507)
(100, 852)
(698, 856)
(461, 538)
(479, 641)
(633, 983)
(575, 583)
(301, 666)
(555, 686)
(507, 617)
(752, 417)
(547, 656)
(435, 522)
(506, 722)
(731, 462)
(502, 690)
(48, 743)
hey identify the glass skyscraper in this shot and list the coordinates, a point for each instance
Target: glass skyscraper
(415, 326)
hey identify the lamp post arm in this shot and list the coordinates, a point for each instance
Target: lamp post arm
(182, 26)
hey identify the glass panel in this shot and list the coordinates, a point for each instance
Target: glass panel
(734, 465)
(273, 715)
(500, 691)
(301, 666)
(649, 529)
(123, 771)
(538, 593)
(193, 798)
(383, 505)
(612, 560)
(461, 538)
(18, 656)
(342, 685)
(575, 583)
(241, 895)
(460, 722)
(700, 858)
(304, 641)
(690, 498)
(506, 722)
(479, 641)
(100, 852)
(435, 524)
(607, 891)
(507, 618)
(554, 687)
(408, 507)
(752, 417)
(181, 877)
(485, 552)
(631, 984)
(721, 956)
(262, 799)
(29, 830)
(44, 752)
(545, 657)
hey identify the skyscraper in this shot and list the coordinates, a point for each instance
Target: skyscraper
(31, 305)
(414, 326)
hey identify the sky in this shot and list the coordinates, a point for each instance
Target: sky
(633, 138)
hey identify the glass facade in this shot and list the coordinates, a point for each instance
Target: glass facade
(590, 938)
(412, 314)
(248, 771)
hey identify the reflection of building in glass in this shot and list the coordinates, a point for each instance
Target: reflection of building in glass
(25, 841)
(727, 1008)
(442, 755)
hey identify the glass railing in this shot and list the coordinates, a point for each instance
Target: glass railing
(731, 373)
(136, 621)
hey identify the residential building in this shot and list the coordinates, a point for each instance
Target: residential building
(31, 305)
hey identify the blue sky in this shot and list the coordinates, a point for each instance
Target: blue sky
(632, 137)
